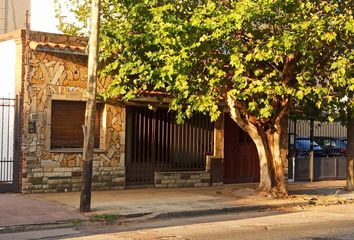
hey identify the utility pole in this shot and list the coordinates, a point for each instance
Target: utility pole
(89, 128)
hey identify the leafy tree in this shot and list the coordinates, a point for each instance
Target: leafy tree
(257, 58)
(66, 11)
(338, 101)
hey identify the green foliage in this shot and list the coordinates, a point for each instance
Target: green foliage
(105, 218)
(75, 222)
(261, 53)
(66, 11)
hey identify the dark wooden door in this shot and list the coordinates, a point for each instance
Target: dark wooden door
(241, 163)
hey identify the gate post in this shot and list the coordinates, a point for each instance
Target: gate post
(311, 159)
(294, 153)
(291, 149)
(17, 144)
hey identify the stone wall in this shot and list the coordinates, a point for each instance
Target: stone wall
(57, 76)
(218, 153)
(182, 179)
(219, 137)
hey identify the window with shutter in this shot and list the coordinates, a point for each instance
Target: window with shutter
(66, 126)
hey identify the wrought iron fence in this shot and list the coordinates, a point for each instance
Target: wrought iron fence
(7, 138)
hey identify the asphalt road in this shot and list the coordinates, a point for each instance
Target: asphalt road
(317, 223)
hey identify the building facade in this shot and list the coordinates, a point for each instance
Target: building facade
(133, 145)
(51, 79)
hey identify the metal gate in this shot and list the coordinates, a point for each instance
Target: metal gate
(324, 142)
(155, 142)
(9, 145)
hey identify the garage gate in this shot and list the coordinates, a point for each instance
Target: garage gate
(156, 143)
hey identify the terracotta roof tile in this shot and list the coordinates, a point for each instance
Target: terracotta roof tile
(56, 47)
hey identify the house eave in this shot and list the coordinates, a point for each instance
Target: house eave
(57, 48)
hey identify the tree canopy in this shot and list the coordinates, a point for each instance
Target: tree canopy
(264, 54)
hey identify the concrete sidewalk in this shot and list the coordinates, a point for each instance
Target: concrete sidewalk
(21, 209)
(170, 202)
(26, 209)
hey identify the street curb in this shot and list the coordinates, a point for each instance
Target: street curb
(215, 211)
(38, 226)
(152, 216)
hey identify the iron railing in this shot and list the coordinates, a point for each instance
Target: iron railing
(7, 121)
(155, 143)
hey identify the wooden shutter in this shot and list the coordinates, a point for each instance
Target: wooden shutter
(67, 120)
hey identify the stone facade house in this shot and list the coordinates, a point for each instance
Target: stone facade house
(51, 76)
(133, 145)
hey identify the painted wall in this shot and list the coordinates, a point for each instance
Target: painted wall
(7, 90)
(7, 68)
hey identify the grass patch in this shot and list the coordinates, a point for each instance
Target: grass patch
(75, 222)
(106, 218)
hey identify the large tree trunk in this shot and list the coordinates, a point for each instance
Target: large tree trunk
(271, 160)
(350, 155)
(267, 139)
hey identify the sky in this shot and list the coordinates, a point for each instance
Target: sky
(43, 16)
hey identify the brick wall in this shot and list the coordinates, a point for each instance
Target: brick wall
(182, 179)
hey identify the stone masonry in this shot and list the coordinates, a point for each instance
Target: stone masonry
(182, 179)
(51, 76)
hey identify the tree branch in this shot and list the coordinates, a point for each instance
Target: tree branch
(239, 116)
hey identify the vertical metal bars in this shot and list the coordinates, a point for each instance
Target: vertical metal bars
(7, 118)
(155, 142)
